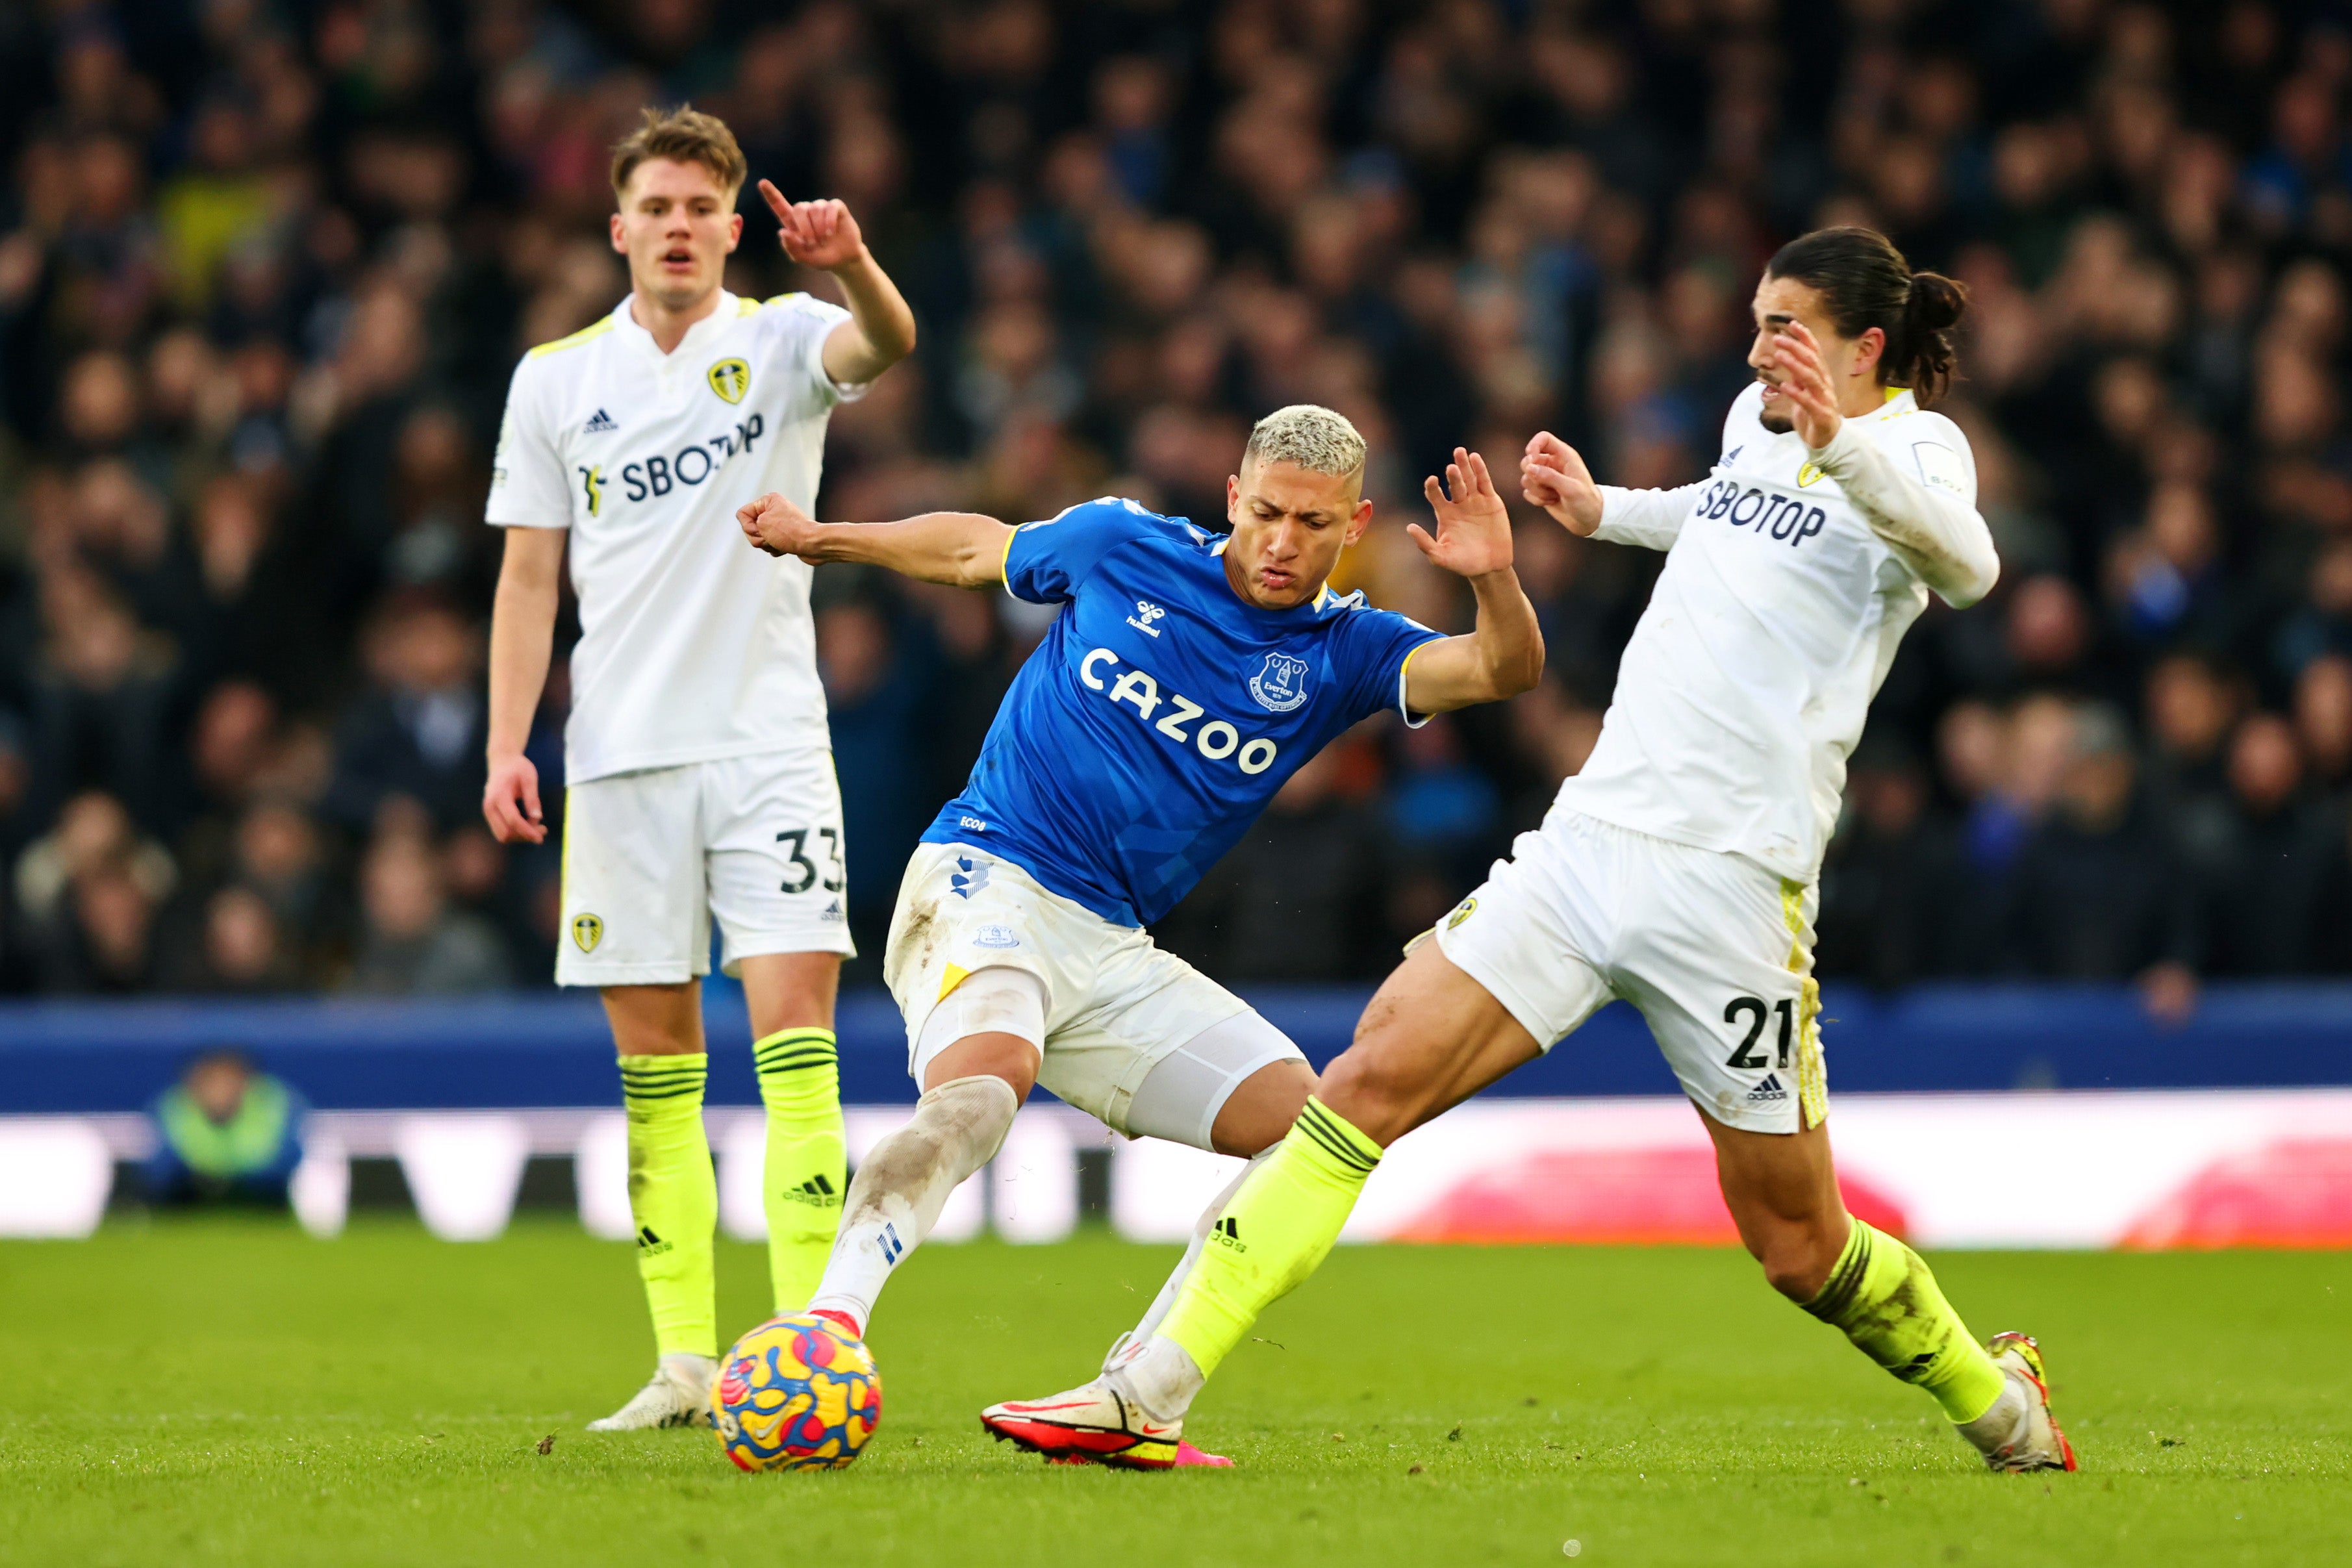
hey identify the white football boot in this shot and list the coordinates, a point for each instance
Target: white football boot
(678, 1395)
(1092, 1424)
(2018, 1433)
(1100, 1422)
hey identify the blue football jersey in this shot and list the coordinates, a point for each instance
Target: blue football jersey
(1161, 711)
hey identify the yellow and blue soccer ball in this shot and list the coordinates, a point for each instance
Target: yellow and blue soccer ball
(796, 1393)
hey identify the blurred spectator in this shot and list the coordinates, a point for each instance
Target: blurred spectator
(225, 1133)
(412, 943)
(1890, 878)
(2097, 893)
(2275, 902)
(419, 730)
(239, 948)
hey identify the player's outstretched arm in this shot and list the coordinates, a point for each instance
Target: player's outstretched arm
(523, 638)
(1941, 535)
(1504, 654)
(880, 330)
(961, 549)
(1553, 476)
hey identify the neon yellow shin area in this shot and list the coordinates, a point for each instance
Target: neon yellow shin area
(1272, 1235)
(673, 1197)
(808, 1167)
(1884, 1297)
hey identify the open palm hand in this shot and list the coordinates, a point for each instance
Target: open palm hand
(1474, 528)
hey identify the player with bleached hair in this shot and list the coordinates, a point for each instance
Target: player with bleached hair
(1186, 677)
(1678, 869)
(696, 757)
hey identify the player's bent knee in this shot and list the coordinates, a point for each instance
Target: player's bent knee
(1008, 1058)
(1379, 1094)
(1258, 1114)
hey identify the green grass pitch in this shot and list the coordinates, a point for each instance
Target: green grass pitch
(202, 1392)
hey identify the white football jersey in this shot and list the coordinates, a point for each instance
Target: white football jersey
(1747, 678)
(694, 645)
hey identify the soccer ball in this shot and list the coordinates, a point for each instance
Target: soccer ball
(796, 1393)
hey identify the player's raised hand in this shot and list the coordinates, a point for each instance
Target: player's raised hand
(815, 234)
(1474, 529)
(777, 526)
(510, 801)
(1553, 477)
(1805, 383)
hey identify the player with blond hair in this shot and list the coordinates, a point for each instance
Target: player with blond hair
(1186, 676)
(697, 765)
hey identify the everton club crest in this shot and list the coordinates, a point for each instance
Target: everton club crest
(1280, 685)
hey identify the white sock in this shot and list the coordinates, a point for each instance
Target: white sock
(1161, 1376)
(1131, 1343)
(904, 1182)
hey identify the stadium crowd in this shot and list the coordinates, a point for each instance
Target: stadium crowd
(266, 265)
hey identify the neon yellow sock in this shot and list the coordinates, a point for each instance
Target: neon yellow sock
(673, 1197)
(808, 1158)
(1272, 1235)
(1886, 1299)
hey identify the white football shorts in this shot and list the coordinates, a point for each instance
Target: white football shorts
(1715, 951)
(651, 858)
(1117, 1007)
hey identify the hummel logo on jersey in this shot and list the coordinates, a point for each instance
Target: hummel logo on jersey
(971, 877)
(599, 424)
(649, 1243)
(1145, 613)
(1228, 1232)
(1769, 1088)
(816, 1190)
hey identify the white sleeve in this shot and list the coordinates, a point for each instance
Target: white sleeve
(807, 321)
(1651, 518)
(1926, 508)
(529, 487)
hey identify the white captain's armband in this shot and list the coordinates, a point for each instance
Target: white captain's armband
(1940, 467)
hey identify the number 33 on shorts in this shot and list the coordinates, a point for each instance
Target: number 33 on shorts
(800, 873)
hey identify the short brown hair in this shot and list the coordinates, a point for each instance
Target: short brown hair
(681, 135)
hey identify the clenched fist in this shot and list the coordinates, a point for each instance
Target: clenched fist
(779, 527)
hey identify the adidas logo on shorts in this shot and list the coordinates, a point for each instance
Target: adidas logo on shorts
(1769, 1088)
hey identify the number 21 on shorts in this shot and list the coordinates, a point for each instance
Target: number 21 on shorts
(1743, 1054)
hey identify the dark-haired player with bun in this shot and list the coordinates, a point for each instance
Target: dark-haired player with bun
(1678, 870)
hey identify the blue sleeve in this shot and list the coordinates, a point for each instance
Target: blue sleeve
(1375, 644)
(1046, 562)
